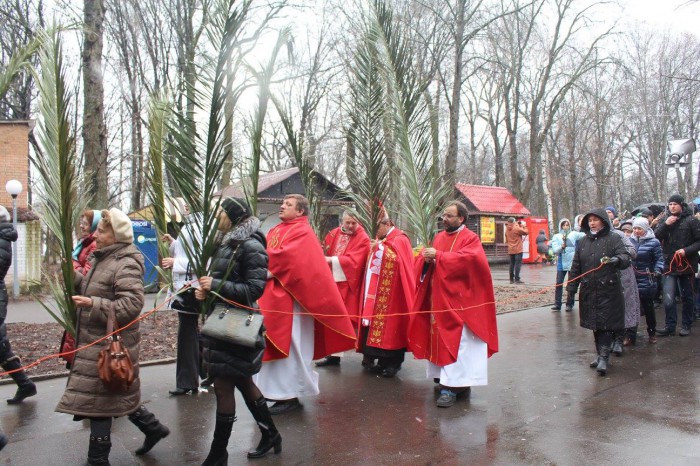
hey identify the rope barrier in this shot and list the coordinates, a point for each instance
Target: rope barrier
(677, 260)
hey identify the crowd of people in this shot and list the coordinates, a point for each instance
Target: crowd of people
(376, 296)
(620, 267)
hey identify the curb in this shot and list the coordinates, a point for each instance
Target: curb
(56, 375)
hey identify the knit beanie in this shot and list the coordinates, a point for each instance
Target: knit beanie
(677, 198)
(236, 209)
(121, 224)
(612, 209)
(641, 222)
(4, 215)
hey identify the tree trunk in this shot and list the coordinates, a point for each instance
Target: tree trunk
(94, 130)
(454, 105)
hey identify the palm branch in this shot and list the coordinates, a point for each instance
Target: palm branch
(422, 190)
(57, 167)
(159, 112)
(368, 173)
(263, 77)
(197, 153)
(20, 59)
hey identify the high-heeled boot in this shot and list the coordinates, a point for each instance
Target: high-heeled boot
(218, 456)
(271, 438)
(604, 354)
(149, 425)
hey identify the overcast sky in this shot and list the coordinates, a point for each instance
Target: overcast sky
(673, 15)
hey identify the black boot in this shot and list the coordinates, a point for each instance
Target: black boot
(98, 453)
(25, 387)
(218, 456)
(271, 438)
(149, 425)
(3, 441)
(603, 356)
(594, 363)
(617, 345)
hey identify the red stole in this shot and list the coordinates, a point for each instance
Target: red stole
(389, 293)
(300, 273)
(458, 287)
(352, 252)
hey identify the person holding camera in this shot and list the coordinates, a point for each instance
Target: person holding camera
(649, 264)
(599, 257)
(679, 234)
(188, 353)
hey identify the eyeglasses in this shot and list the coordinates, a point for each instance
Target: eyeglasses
(449, 216)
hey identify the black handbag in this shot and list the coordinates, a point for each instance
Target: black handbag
(234, 325)
(186, 301)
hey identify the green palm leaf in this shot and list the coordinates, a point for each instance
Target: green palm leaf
(421, 189)
(369, 172)
(196, 153)
(57, 167)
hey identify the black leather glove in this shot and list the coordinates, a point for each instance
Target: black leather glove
(613, 260)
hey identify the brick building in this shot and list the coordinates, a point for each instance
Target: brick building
(14, 154)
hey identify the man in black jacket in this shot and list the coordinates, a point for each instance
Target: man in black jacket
(679, 234)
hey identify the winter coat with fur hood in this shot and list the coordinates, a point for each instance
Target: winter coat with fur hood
(601, 302)
(115, 281)
(239, 273)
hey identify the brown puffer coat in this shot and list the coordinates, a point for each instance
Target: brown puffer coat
(114, 281)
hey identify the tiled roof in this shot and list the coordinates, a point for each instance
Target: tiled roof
(492, 199)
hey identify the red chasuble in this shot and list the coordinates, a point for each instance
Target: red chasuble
(352, 252)
(300, 273)
(391, 292)
(458, 287)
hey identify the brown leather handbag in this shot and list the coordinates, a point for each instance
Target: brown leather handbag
(114, 365)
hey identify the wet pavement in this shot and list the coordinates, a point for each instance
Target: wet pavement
(543, 405)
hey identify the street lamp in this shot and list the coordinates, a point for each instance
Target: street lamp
(13, 188)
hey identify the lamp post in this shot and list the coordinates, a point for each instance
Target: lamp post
(13, 188)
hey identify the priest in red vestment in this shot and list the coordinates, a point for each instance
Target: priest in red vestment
(454, 326)
(389, 288)
(305, 317)
(347, 250)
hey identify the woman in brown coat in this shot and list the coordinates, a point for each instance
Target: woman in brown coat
(114, 282)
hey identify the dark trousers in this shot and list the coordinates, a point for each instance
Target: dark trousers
(647, 303)
(385, 358)
(671, 283)
(187, 365)
(516, 260)
(559, 291)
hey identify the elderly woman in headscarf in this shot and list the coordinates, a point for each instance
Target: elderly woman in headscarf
(238, 274)
(114, 284)
(629, 286)
(599, 258)
(89, 219)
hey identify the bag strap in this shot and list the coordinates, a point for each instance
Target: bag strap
(111, 324)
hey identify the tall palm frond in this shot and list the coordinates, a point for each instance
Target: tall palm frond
(369, 173)
(159, 113)
(19, 60)
(263, 77)
(197, 153)
(57, 166)
(422, 190)
(302, 161)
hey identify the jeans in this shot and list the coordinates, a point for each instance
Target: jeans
(671, 283)
(559, 291)
(516, 260)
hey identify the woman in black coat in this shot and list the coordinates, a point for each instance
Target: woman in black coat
(599, 257)
(8, 360)
(239, 274)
